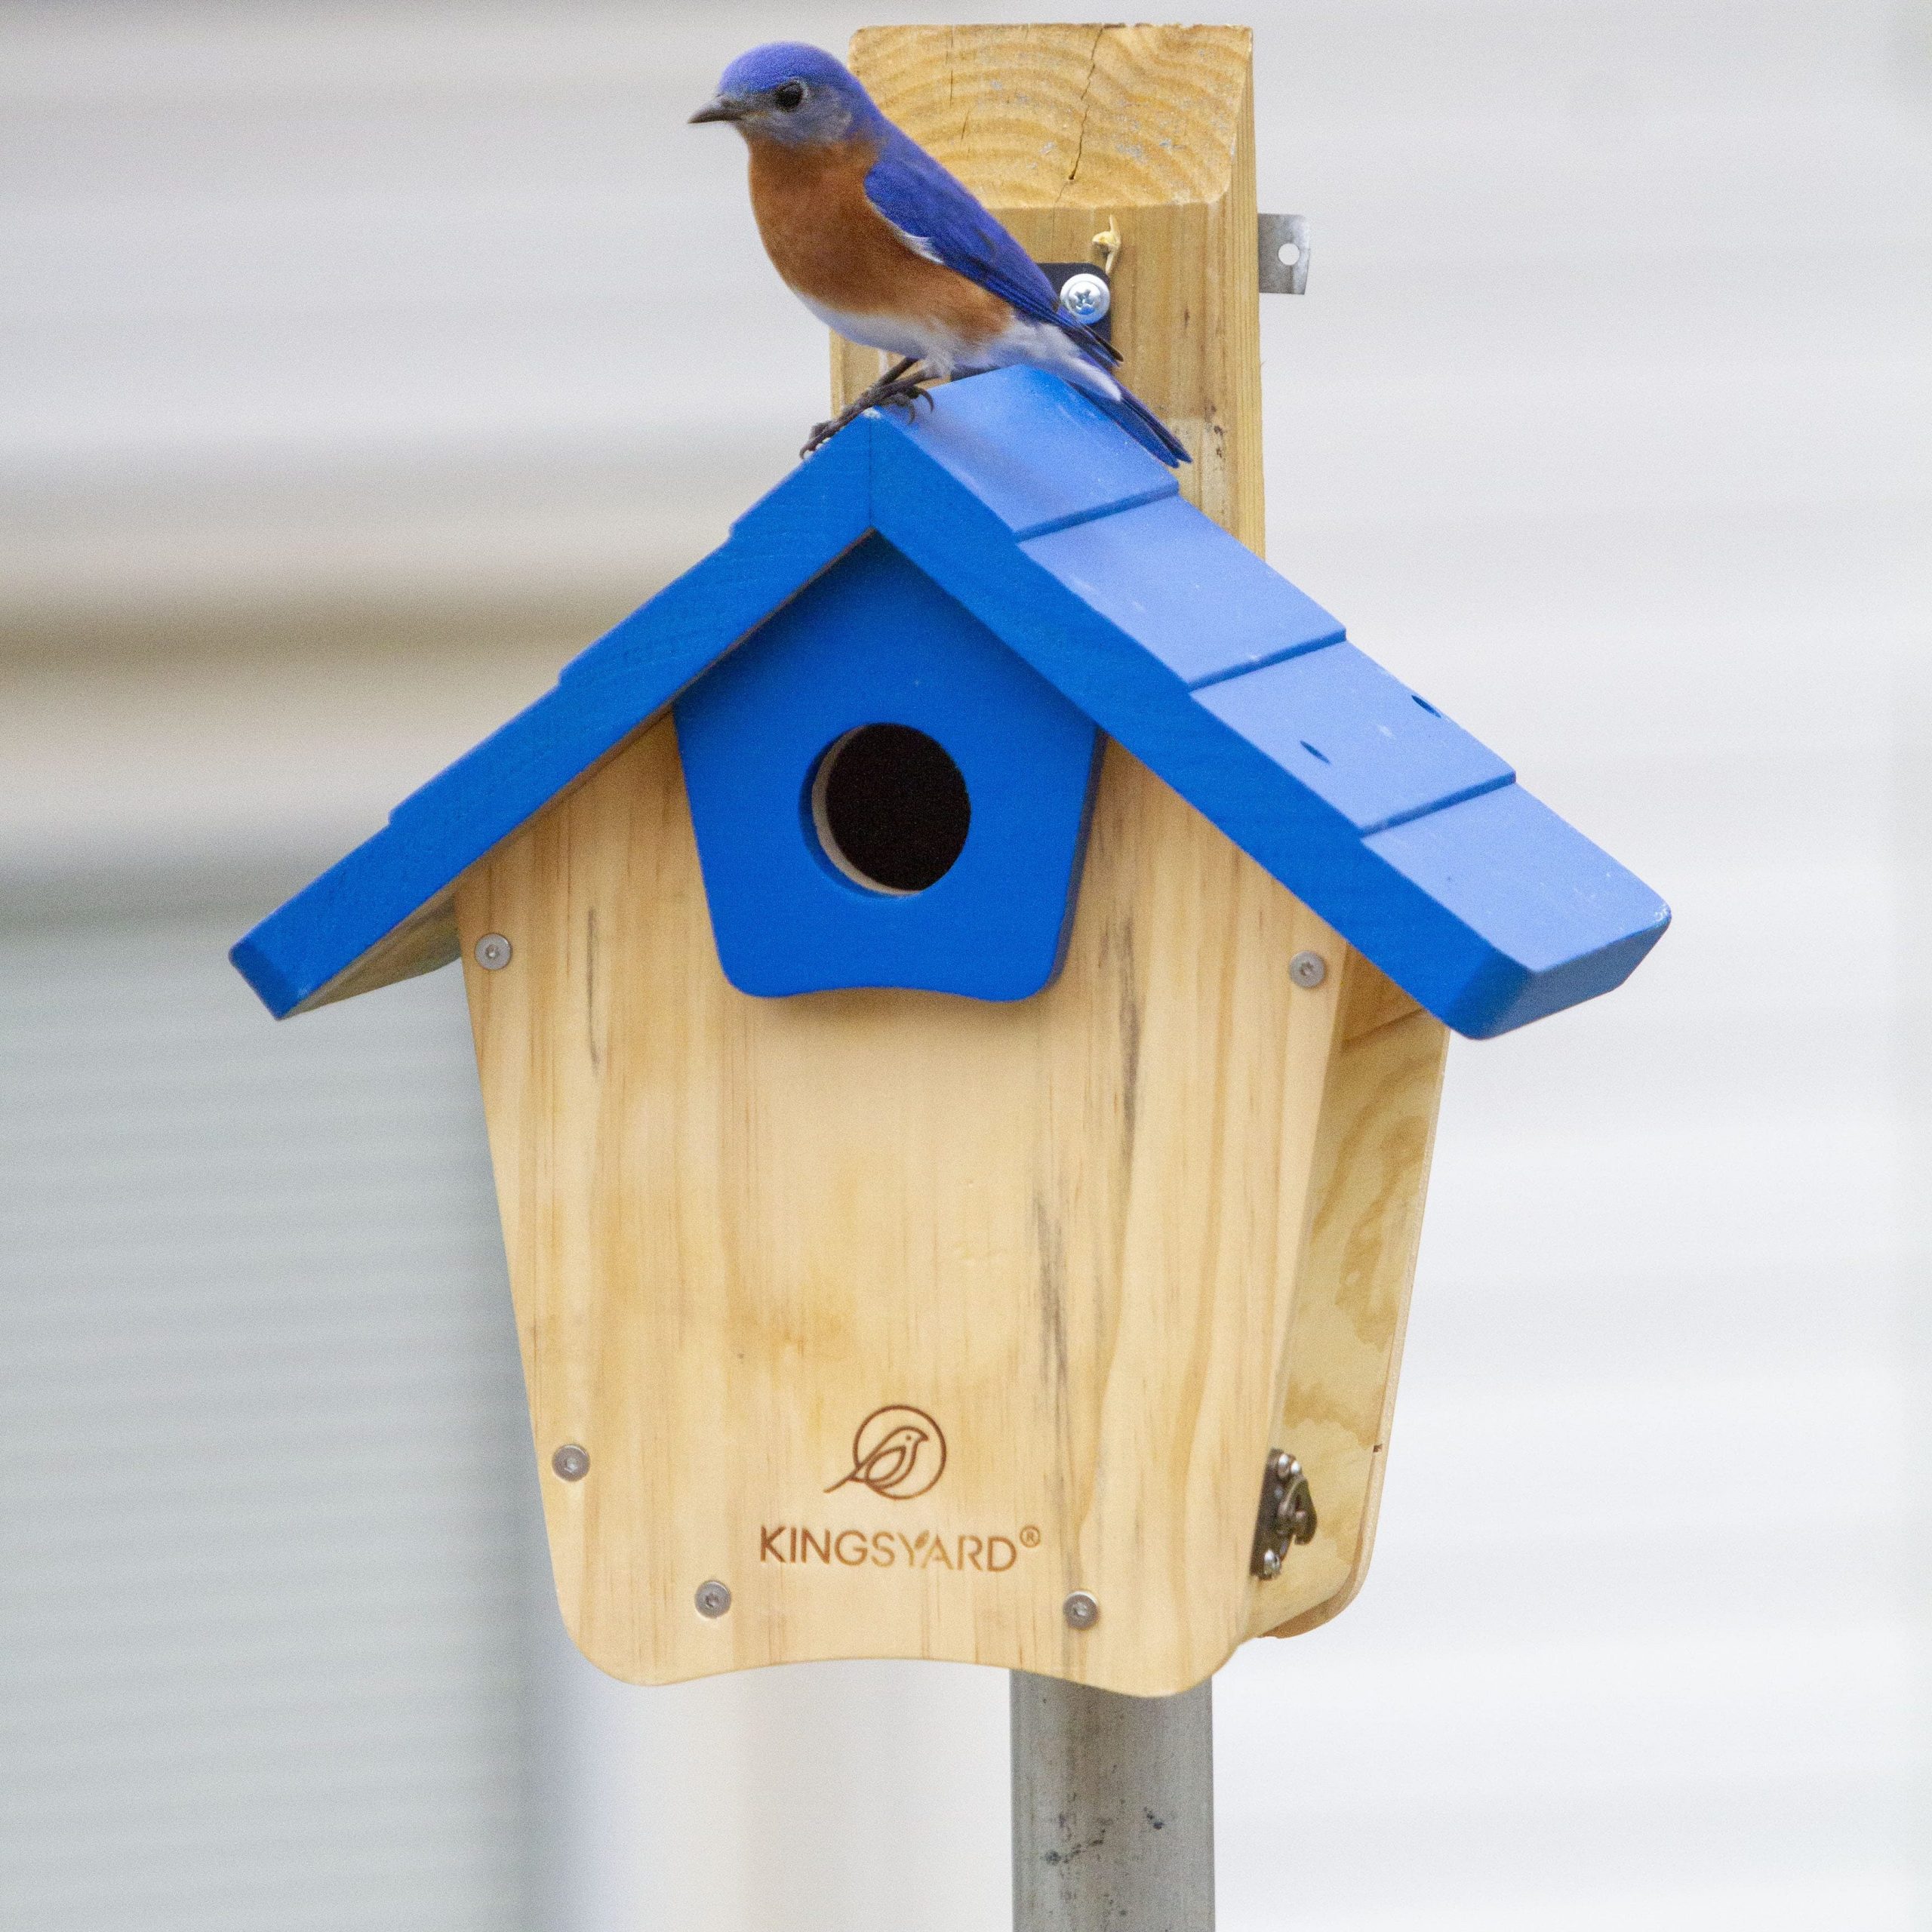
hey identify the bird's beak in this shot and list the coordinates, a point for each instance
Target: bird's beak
(721, 108)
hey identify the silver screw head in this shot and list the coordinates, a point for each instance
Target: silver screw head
(493, 952)
(1284, 1466)
(1308, 969)
(713, 1599)
(1081, 1610)
(1271, 1564)
(572, 1462)
(1086, 297)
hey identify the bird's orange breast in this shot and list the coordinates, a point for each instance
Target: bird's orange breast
(829, 243)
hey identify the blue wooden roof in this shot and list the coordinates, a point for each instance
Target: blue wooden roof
(1074, 547)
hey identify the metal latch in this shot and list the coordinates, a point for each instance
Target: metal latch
(1283, 243)
(1286, 1515)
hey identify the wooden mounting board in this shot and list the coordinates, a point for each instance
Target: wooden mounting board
(1061, 129)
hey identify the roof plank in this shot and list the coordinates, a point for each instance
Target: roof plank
(1355, 737)
(1212, 610)
(1037, 455)
(330, 940)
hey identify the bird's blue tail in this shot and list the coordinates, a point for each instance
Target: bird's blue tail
(1141, 424)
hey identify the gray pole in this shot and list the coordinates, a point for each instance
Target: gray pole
(1113, 1810)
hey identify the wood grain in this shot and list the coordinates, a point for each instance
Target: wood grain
(1372, 1159)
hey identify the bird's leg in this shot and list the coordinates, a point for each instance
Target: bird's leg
(890, 387)
(906, 394)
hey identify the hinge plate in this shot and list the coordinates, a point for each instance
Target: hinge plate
(1286, 1517)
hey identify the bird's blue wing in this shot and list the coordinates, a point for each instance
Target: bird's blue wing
(941, 218)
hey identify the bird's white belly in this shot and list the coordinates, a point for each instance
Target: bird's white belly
(1041, 346)
(1037, 345)
(897, 335)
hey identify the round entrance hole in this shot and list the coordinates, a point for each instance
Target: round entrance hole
(890, 808)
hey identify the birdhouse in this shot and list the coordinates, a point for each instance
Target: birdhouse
(960, 981)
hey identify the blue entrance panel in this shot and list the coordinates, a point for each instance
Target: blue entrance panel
(874, 642)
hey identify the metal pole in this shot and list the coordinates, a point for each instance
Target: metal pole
(1113, 1810)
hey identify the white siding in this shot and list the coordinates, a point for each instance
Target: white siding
(263, 1471)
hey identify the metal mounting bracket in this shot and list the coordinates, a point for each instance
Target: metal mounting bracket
(1283, 244)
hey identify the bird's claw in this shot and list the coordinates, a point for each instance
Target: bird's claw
(906, 395)
(908, 398)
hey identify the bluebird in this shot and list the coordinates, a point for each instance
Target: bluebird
(882, 244)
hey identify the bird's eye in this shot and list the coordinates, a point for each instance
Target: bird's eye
(790, 94)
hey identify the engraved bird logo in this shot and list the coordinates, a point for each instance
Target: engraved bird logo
(898, 1452)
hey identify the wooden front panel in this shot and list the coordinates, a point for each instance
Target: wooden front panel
(1064, 1230)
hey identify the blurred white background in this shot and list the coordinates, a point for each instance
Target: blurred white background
(360, 363)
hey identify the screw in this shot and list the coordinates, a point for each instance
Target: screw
(1081, 1610)
(493, 952)
(1308, 969)
(1086, 297)
(1271, 1564)
(571, 1462)
(1284, 1466)
(713, 1598)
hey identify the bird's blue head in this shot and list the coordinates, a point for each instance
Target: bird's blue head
(793, 93)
